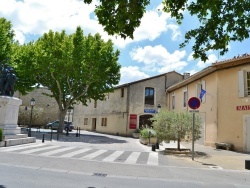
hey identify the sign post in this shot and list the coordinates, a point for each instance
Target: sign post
(193, 103)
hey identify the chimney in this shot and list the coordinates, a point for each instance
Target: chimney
(186, 75)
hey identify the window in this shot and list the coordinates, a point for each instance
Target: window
(95, 104)
(149, 95)
(85, 121)
(185, 98)
(173, 101)
(104, 122)
(122, 92)
(244, 83)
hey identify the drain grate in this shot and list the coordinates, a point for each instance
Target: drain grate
(100, 174)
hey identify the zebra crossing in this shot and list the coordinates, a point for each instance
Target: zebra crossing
(46, 150)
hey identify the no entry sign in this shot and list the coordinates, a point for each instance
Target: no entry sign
(194, 103)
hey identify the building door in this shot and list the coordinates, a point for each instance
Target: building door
(93, 124)
(145, 121)
(247, 120)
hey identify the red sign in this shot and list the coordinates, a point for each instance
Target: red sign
(132, 121)
(194, 103)
(245, 107)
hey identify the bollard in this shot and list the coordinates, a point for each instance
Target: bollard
(156, 145)
(153, 147)
(67, 131)
(43, 139)
(79, 132)
(247, 164)
(76, 131)
(51, 134)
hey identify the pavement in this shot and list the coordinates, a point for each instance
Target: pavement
(204, 156)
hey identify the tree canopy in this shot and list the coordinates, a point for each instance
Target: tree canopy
(75, 68)
(6, 40)
(171, 125)
(220, 21)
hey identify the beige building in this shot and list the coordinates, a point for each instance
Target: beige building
(128, 107)
(225, 106)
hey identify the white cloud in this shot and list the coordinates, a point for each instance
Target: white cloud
(190, 57)
(211, 59)
(37, 17)
(131, 73)
(158, 58)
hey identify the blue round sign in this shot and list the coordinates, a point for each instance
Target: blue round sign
(194, 103)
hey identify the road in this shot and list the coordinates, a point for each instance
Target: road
(60, 164)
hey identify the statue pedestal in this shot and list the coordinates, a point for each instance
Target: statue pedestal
(9, 108)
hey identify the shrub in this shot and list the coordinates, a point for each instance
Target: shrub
(147, 132)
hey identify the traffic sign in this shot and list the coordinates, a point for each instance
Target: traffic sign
(194, 103)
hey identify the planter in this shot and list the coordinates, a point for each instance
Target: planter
(136, 135)
(145, 141)
(2, 144)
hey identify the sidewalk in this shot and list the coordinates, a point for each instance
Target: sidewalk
(212, 157)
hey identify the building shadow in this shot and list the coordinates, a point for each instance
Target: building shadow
(83, 138)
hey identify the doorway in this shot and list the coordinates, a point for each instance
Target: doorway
(93, 124)
(145, 120)
(247, 134)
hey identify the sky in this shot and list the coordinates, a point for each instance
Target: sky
(153, 51)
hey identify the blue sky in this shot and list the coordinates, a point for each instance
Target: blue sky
(154, 50)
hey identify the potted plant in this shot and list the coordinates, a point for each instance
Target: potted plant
(136, 133)
(148, 136)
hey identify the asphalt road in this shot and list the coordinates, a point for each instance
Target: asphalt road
(43, 166)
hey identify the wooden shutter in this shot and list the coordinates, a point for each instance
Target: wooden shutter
(241, 84)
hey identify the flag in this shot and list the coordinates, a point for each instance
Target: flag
(203, 92)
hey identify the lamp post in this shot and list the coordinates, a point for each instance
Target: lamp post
(157, 141)
(67, 129)
(32, 103)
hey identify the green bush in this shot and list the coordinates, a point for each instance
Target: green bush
(147, 132)
(1, 135)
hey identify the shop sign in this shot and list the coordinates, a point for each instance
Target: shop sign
(132, 121)
(150, 111)
(245, 107)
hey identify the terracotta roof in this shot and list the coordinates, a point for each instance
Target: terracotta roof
(235, 61)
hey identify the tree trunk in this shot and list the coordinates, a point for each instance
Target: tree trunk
(178, 144)
(61, 119)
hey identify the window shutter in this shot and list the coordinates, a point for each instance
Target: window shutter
(241, 84)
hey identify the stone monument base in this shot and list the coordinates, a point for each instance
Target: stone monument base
(9, 108)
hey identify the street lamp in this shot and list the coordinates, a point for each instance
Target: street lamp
(32, 103)
(158, 108)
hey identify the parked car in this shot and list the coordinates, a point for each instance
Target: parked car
(55, 125)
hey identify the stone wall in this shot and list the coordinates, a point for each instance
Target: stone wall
(44, 111)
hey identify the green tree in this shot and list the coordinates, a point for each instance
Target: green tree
(6, 40)
(220, 21)
(171, 125)
(75, 68)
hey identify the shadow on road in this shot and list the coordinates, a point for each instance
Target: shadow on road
(83, 138)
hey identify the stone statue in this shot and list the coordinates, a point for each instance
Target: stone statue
(7, 80)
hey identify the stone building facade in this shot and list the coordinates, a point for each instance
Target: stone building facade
(129, 107)
(44, 111)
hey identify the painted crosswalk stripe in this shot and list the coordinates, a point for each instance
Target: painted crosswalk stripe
(39, 149)
(132, 158)
(71, 154)
(95, 154)
(21, 147)
(153, 159)
(56, 151)
(113, 156)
